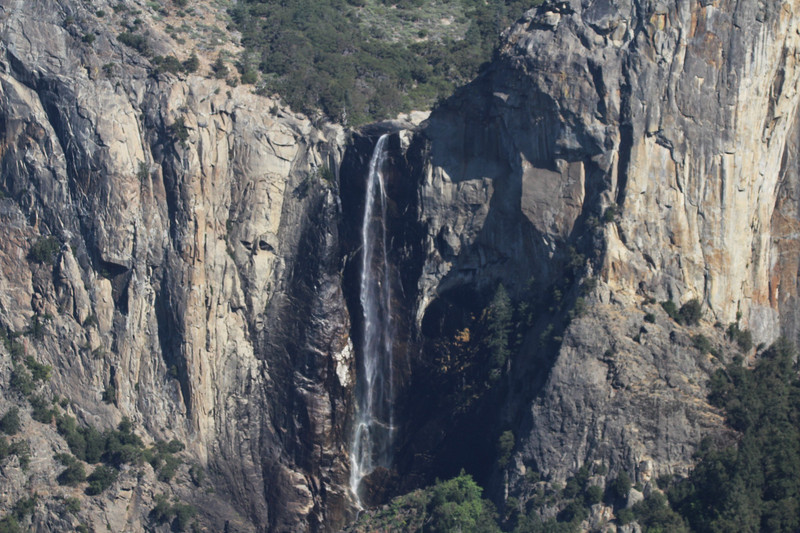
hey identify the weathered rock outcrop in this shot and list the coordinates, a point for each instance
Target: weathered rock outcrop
(659, 142)
(680, 115)
(198, 274)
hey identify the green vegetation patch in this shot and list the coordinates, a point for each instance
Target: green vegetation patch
(10, 423)
(178, 514)
(118, 447)
(74, 473)
(19, 448)
(362, 60)
(452, 505)
(44, 250)
(755, 484)
(101, 479)
(136, 41)
(19, 513)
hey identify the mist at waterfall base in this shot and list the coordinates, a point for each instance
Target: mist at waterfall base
(371, 445)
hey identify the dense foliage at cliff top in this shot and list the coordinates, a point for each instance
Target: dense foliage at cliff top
(360, 60)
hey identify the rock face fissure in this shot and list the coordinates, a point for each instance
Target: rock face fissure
(373, 433)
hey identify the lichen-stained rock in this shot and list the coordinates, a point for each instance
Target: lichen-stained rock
(186, 208)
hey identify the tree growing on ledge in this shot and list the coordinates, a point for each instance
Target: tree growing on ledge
(499, 326)
(691, 312)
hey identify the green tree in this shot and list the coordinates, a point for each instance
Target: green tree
(691, 312)
(9, 524)
(593, 495)
(191, 64)
(10, 424)
(72, 505)
(110, 393)
(179, 130)
(100, 479)
(22, 450)
(656, 516)
(44, 250)
(742, 337)
(505, 445)
(219, 68)
(74, 473)
(671, 309)
(136, 41)
(21, 380)
(25, 506)
(618, 489)
(183, 514)
(39, 372)
(318, 56)
(456, 505)
(41, 409)
(499, 316)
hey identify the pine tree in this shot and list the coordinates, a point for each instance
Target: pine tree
(499, 325)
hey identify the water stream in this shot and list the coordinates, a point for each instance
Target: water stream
(371, 446)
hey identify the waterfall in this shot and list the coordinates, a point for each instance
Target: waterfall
(371, 446)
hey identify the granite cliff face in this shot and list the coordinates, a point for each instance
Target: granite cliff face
(657, 143)
(614, 155)
(680, 116)
(198, 273)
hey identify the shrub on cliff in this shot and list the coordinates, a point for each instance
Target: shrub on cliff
(19, 448)
(654, 514)
(9, 524)
(101, 479)
(110, 394)
(21, 380)
(168, 64)
(44, 250)
(179, 130)
(136, 41)
(618, 489)
(41, 409)
(178, 513)
(74, 473)
(39, 372)
(505, 445)
(20, 511)
(691, 312)
(10, 424)
(219, 68)
(191, 64)
(741, 337)
(671, 309)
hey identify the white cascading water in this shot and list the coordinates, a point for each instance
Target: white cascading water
(371, 446)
